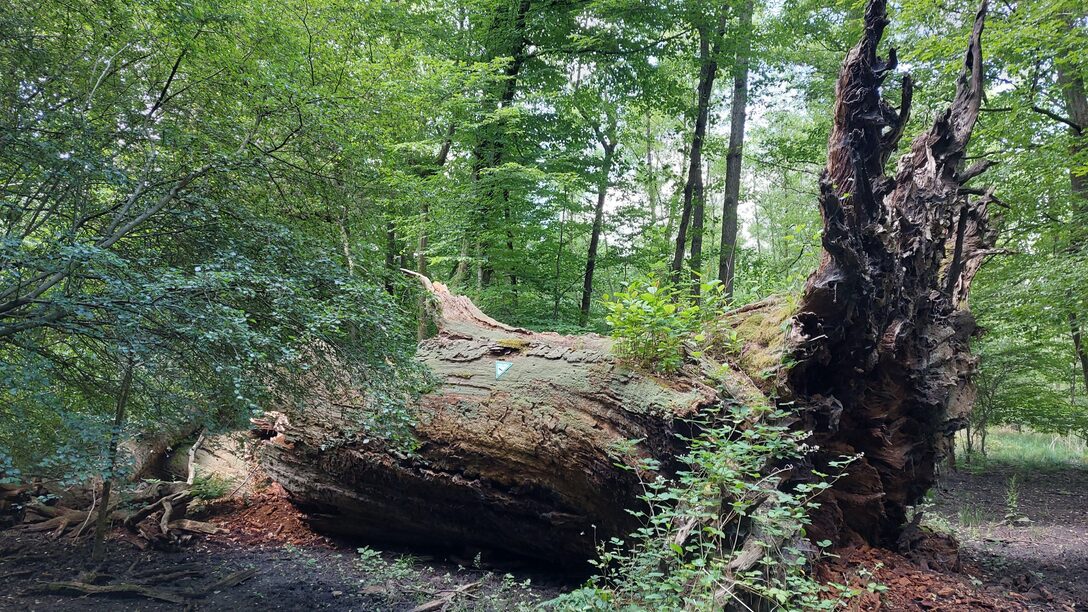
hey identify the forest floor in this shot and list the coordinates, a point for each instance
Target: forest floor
(1022, 533)
(1022, 529)
(294, 569)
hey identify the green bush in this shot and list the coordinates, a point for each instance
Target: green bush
(652, 320)
(210, 486)
(696, 523)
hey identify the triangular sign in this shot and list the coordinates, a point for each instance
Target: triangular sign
(501, 367)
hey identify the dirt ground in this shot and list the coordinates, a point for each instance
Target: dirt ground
(295, 569)
(1040, 563)
(1032, 541)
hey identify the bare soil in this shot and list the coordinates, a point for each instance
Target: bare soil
(1023, 531)
(1000, 562)
(296, 569)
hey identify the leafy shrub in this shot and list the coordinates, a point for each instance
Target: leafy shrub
(210, 486)
(651, 321)
(696, 524)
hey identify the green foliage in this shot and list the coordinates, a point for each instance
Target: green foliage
(650, 324)
(695, 523)
(652, 321)
(1028, 451)
(210, 486)
(163, 165)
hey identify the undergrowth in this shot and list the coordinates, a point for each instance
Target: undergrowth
(723, 533)
(652, 321)
(210, 486)
(1028, 450)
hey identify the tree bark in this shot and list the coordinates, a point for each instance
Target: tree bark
(693, 188)
(735, 156)
(98, 548)
(523, 463)
(425, 219)
(1078, 346)
(1076, 102)
(873, 361)
(609, 147)
(490, 145)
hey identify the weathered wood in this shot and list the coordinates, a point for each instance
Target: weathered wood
(881, 332)
(195, 526)
(523, 463)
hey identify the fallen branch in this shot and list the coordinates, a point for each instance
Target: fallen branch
(180, 596)
(196, 526)
(192, 458)
(163, 570)
(441, 602)
(85, 588)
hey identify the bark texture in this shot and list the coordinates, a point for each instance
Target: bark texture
(735, 156)
(523, 463)
(880, 338)
(874, 360)
(693, 206)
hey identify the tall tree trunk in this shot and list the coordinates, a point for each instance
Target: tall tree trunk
(391, 267)
(424, 221)
(595, 233)
(1078, 346)
(693, 188)
(651, 173)
(735, 156)
(345, 241)
(1077, 107)
(670, 222)
(507, 218)
(557, 294)
(698, 219)
(460, 269)
(490, 145)
(98, 548)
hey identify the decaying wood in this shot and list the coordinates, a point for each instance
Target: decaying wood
(880, 337)
(523, 463)
(156, 523)
(446, 598)
(86, 588)
(196, 526)
(192, 458)
(178, 596)
(874, 360)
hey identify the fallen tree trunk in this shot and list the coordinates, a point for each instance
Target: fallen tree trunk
(523, 462)
(873, 361)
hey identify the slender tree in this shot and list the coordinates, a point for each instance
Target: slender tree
(734, 158)
(693, 187)
(606, 137)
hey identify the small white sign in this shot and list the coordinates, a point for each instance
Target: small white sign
(501, 368)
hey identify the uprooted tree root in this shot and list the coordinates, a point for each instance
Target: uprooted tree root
(158, 521)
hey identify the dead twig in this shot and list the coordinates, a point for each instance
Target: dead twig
(84, 588)
(444, 600)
